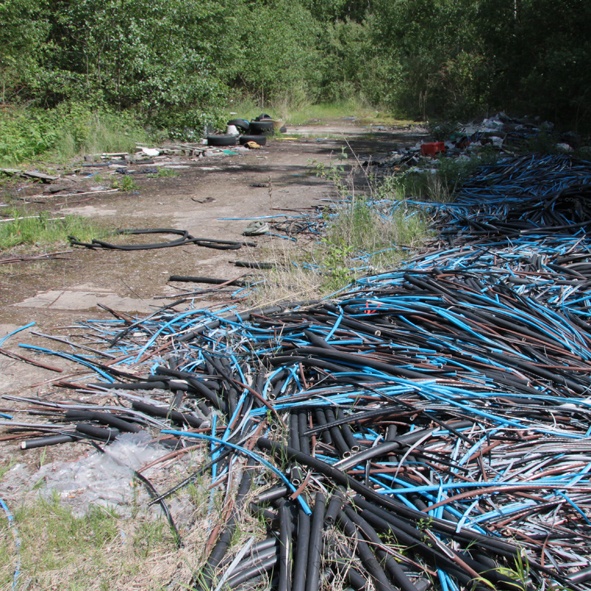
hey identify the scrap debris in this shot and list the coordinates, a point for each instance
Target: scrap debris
(499, 134)
(10, 260)
(29, 174)
(429, 428)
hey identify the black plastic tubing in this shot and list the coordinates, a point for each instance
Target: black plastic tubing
(339, 477)
(301, 552)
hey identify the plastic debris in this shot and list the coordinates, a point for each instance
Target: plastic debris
(256, 228)
(101, 478)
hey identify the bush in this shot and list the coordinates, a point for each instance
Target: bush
(24, 135)
(64, 132)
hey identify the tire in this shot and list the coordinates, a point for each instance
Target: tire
(241, 124)
(221, 140)
(261, 140)
(260, 127)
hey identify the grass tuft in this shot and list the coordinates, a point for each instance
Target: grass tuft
(126, 183)
(363, 238)
(165, 173)
(21, 228)
(438, 183)
(359, 239)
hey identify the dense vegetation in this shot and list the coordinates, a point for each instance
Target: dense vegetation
(175, 63)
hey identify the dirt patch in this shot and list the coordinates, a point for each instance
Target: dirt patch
(202, 199)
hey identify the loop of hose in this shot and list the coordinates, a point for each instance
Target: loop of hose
(185, 238)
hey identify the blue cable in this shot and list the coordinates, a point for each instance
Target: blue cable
(248, 453)
(17, 543)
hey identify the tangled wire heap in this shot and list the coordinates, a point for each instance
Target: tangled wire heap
(430, 428)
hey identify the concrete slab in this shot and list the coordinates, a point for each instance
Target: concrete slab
(87, 297)
(89, 211)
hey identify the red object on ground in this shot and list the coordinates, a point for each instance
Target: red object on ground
(432, 148)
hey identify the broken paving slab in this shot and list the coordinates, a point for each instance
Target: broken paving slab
(89, 211)
(33, 174)
(87, 297)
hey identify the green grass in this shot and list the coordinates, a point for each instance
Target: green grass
(360, 237)
(359, 240)
(68, 131)
(126, 183)
(102, 550)
(42, 230)
(53, 539)
(438, 183)
(99, 550)
(95, 132)
(323, 112)
(164, 173)
(363, 114)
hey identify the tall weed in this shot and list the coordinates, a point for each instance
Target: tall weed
(438, 183)
(65, 132)
(362, 238)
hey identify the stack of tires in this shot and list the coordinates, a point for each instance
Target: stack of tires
(256, 130)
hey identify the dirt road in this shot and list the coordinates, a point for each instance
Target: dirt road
(206, 192)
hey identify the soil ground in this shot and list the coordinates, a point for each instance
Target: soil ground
(207, 191)
(56, 294)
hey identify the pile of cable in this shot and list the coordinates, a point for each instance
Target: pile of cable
(515, 196)
(427, 429)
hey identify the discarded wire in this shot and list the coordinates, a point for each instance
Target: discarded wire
(185, 238)
(451, 396)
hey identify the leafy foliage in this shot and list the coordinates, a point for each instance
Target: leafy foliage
(177, 63)
(463, 57)
(65, 131)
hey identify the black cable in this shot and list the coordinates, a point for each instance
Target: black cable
(365, 554)
(336, 435)
(106, 435)
(294, 430)
(180, 418)
(223, 542)
(185, 238)
(394, 569)
(48, 440)
(301, 552)
(271, 494)
(322, 422)
(335, 505)
(257, 570)
(347, 433)
(315, 544)
(194, 383)
(302, 427)
(285, 547)
(499, 546)
(106, 418)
